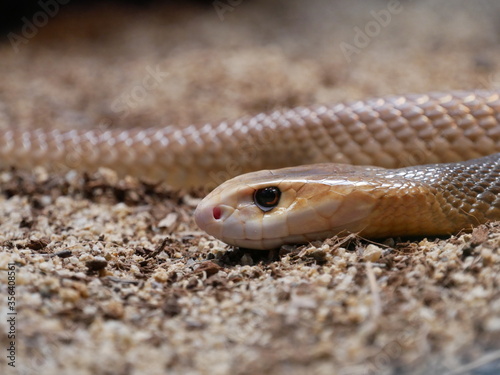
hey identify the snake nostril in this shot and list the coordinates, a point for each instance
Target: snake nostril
(217, 212)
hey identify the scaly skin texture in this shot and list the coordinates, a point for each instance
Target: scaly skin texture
(389, 132)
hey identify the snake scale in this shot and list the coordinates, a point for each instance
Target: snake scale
(403, 191)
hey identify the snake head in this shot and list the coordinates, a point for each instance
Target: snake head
(266, 209)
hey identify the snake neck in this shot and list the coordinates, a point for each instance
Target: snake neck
(437, 199)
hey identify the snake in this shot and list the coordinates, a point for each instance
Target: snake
(401, 165)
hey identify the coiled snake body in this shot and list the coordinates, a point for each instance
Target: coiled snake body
(268, 208)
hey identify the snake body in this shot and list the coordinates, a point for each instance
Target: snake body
(391, 132)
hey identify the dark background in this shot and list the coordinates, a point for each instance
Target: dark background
(12, 11)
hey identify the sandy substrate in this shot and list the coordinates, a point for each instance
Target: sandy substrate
(113, 277)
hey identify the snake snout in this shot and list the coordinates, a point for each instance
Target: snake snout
(211, 217)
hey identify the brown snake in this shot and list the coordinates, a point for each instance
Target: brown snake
(269, 208)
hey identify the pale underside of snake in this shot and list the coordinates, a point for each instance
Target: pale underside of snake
(408, 135)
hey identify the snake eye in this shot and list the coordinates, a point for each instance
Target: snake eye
(267, 198)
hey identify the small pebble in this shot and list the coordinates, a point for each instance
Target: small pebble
(372, 253)
(97, 264)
